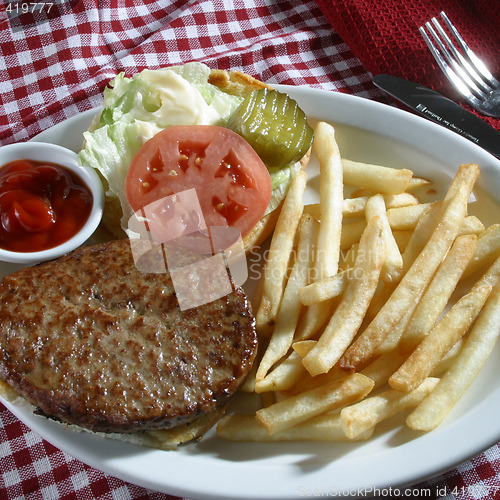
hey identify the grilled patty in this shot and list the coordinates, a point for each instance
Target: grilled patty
(91, 340)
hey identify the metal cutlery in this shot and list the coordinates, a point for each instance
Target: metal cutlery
(467, 73)
(438, 108)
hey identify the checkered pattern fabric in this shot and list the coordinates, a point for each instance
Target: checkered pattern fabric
(53, 69)
(33, 468)
(56, 64)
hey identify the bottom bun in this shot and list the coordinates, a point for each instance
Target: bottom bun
(171, 439)
(161, 439)
(262, 230)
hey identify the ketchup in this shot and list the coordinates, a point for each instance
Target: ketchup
(41, 205)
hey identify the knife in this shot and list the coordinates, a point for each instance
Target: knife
(438, 108)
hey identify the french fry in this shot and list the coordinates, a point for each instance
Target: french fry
(308, 382)
(302, 347)
(420, 319)
(445, 333)
(297, 409)
(420, 273)
(329, 236)
(438, 293)
(351, 233)
(400, 200)
(355, 207)
(419, 238)
(391, 200)
(392, 340)
(470, 360)
(379, 178)
(321, 428)
(416, 183)
(351, 207)
(383, 366)
(405, 218)
(289, 310)
(487, 250)
(447, 360)
(324, 289)
(284, 376)
(349, 257)
(314, 316)
(314, 319)
(365, 415)
(471, 225)
(421, 234)
(330, 230)
(352, 308)
(393, 262)
(331, 199)
(279, 254)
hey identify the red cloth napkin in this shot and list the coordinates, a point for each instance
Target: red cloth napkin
(384, 35)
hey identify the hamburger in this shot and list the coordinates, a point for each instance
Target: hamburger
(96, 344)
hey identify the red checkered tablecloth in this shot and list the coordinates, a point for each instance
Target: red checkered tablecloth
(55, 64)
(56, 68)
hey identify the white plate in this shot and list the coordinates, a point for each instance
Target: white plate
(215, 469)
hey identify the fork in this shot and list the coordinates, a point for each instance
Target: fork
(466, 72)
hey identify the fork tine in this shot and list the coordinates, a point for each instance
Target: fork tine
(470, 75)
(477, 63)
(444, 59)
(452, 76)
(466, 73)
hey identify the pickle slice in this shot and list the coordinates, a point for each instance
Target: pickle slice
(274, 125)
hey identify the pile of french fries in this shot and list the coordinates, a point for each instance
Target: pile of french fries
(371, 305)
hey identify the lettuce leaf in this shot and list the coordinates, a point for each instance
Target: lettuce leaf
(137, 108)
(281, 178)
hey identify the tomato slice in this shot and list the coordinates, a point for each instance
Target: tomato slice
(232, 183)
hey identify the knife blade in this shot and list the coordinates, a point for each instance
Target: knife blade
(439, 109)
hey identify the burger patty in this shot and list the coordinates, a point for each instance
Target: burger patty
(91, 340)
